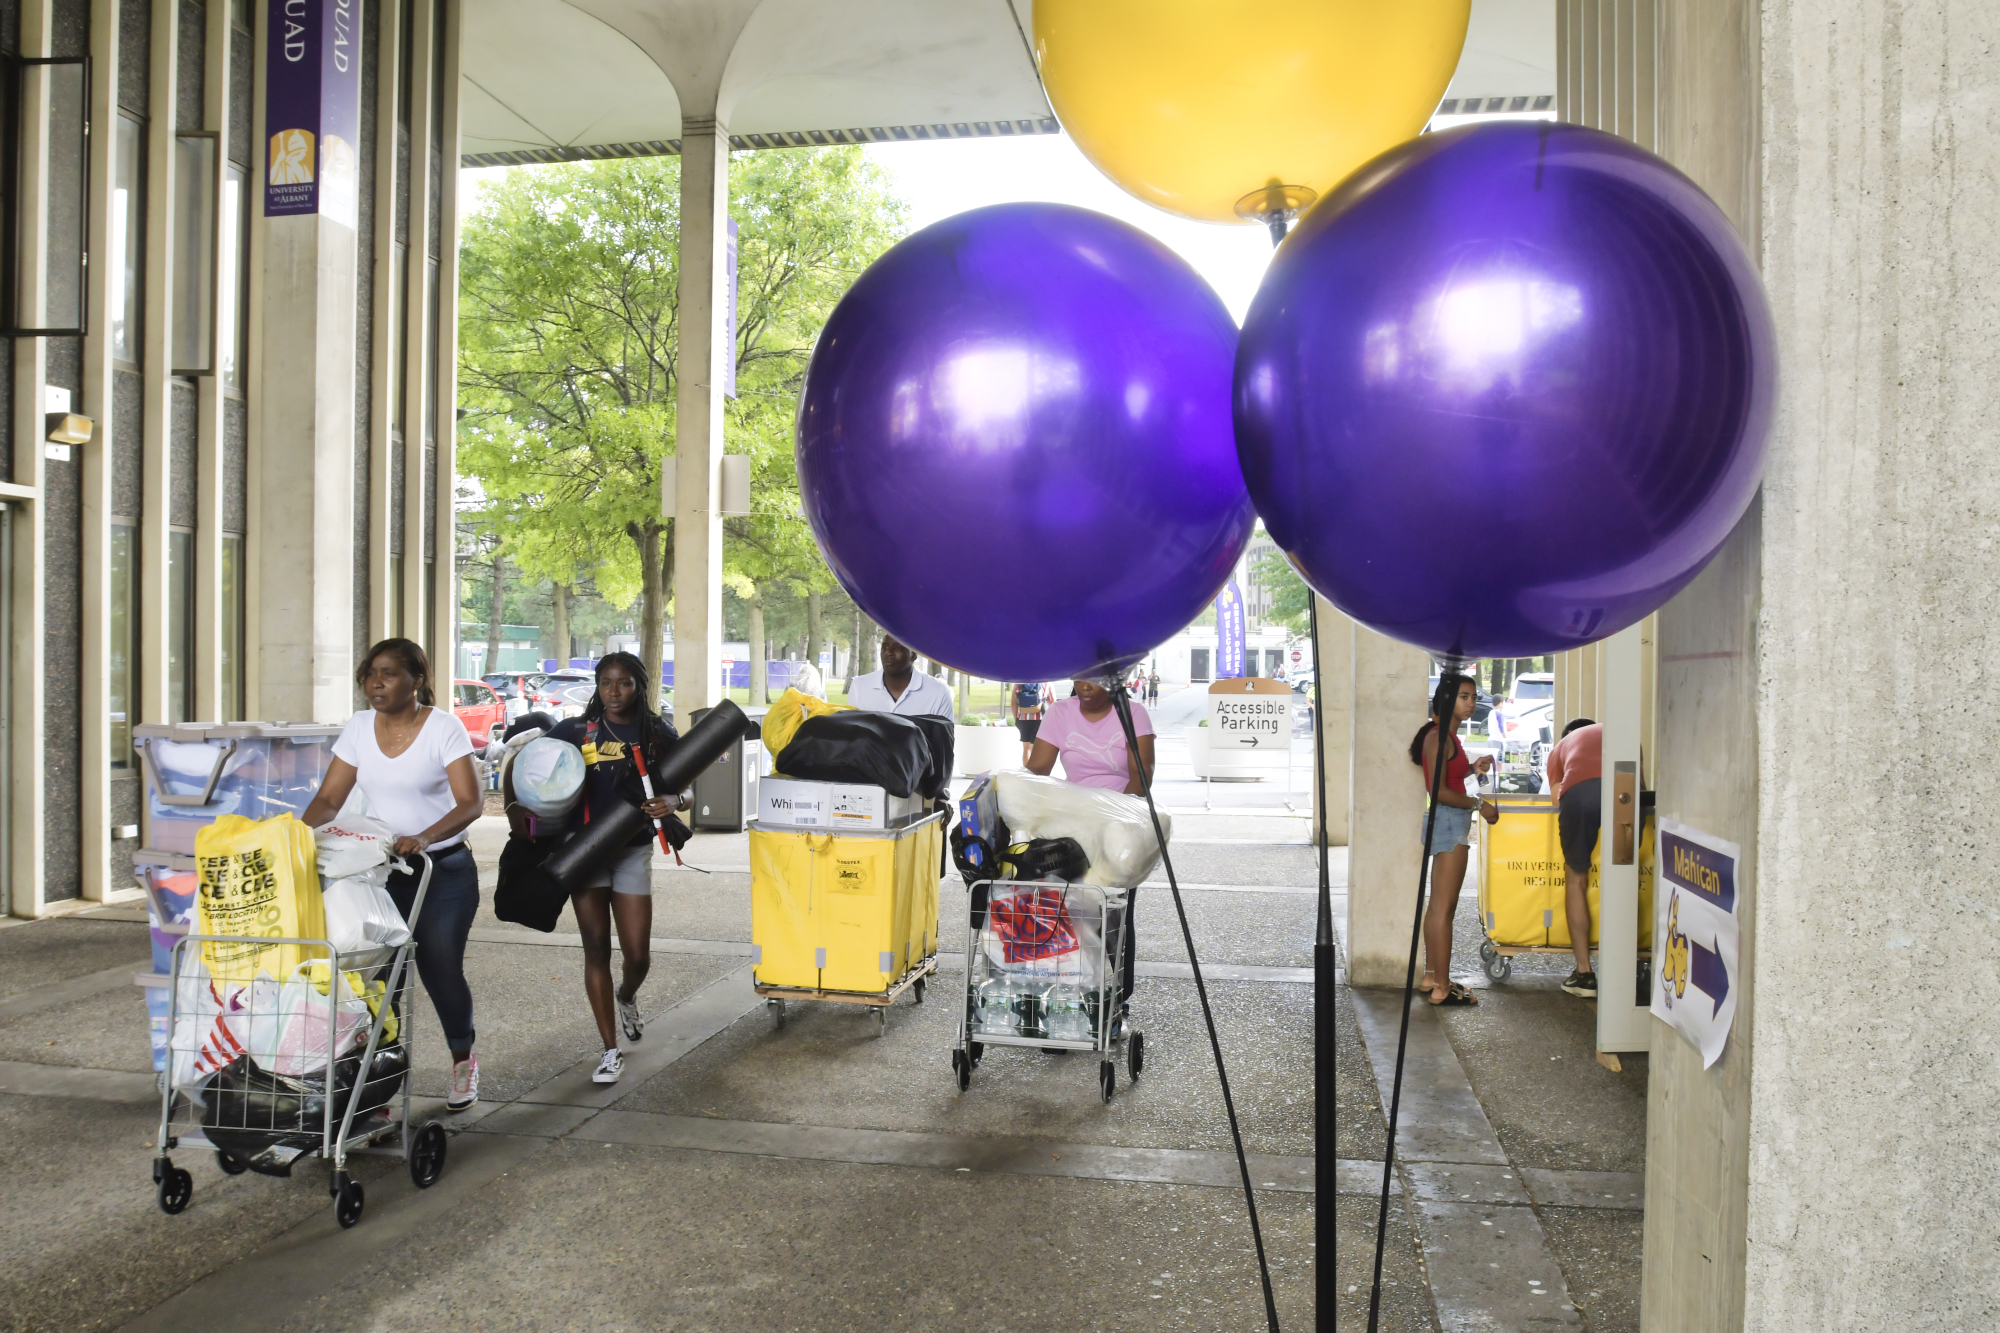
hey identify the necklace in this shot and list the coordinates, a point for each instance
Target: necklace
(396, 743)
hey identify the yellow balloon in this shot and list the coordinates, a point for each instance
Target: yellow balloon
(1192, 105)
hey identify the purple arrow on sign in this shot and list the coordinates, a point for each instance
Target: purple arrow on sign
(1709, 975)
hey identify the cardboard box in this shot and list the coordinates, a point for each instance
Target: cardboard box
(795, 803)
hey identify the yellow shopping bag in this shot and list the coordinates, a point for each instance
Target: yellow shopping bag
(783, 718)
(258, 880)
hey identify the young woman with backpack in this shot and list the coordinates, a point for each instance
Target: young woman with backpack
(1026, 703)
(619, 720)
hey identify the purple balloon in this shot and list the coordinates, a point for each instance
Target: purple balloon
(1015, 444)
(1507, 389)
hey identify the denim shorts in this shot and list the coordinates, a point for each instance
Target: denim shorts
(1453, 828)
(631, 871)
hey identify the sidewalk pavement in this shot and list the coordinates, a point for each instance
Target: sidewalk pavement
(814, 1176)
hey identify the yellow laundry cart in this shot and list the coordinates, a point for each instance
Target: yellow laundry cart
(848, 915)
(1521, 884)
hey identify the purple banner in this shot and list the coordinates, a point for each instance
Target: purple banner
(312, 109)
(1229, 632)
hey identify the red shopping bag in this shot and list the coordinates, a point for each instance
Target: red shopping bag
(1033, 924)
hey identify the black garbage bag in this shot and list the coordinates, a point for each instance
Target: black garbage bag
(941, 735)
(879, 749)
(267, 1120)
(521, 895)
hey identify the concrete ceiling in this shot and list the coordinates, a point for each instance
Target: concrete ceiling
(549, 80)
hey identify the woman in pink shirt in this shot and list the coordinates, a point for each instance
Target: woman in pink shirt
(1085, 732)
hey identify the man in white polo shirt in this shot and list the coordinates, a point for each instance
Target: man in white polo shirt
(898, 687)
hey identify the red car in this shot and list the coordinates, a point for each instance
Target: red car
(480, 709)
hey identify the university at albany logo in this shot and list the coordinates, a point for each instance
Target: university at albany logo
(292, 157)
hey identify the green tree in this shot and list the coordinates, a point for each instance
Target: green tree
(568, 323)
(1291, 599)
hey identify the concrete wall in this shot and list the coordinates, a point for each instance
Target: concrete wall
(1874, 1127)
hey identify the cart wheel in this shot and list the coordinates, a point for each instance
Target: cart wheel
(347, 1206)
(917, 988)
(1499, 967)
(427, 1151)
(1107, 1079)
(1487, 953)
(961, 1065)
(176, 1188)
(976, 1050)
(777, 1008)
(1135, 1054)
(881, 1019)
(230, 1165)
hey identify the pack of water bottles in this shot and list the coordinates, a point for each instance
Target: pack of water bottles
(1044, 969)
(1041, 968)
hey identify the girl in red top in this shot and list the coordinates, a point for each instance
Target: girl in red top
(1451, 836)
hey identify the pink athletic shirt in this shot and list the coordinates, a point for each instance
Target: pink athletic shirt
(1093, 753)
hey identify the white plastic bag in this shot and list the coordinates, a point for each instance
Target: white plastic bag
(351, 843)
(289, 1024)
(210, 1029)
(360, 914)
(1113, 829)
(548, 777)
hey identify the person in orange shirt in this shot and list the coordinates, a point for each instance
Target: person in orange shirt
(1575, 769)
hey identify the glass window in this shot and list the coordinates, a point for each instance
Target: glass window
(1198, 664)
(399, 277)
(429, 407)
(180, 625)
(232, 286)
(194, 252)
(231, 696)
(124, 640)
(395, 596)
(128, 237)
(49, 258)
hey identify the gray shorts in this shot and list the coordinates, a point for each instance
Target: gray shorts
(631, 871)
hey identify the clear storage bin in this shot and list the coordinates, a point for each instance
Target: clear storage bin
(170, 882)
(199, 771)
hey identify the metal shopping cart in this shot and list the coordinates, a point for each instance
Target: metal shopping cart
(271, 1071)
(1044, 968)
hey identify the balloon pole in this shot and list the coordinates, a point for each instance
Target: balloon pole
(1275, 206)
(1438, 703)
(1325, 1121)
(1123, 703)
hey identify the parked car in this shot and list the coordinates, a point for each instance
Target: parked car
(515, 689)
(1524, 739)
(480, 709)
(564, 693)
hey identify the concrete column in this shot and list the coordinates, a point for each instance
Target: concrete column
(157, 594)
(697, 528)
(1873, 1120)
(1385, 823)
(1623, 1023)
(1333, 658)
(300, 585)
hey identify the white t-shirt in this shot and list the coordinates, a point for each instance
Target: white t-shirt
(924, 694)
(412, 791)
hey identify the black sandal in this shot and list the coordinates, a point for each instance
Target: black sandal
(1457, 996)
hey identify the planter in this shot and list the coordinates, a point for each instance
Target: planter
(984, 749)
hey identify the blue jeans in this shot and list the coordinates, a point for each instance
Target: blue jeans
(449, 906)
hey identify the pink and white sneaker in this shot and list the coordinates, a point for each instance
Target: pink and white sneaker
(464, 1084)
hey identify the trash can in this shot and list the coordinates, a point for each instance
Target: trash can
(725, 794)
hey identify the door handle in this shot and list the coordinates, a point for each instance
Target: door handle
(1624, 810)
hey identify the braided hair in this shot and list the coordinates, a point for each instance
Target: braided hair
(653, 735)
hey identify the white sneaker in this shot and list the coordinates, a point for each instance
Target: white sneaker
(630, 1019)
(610, 1067)
(464, 1084)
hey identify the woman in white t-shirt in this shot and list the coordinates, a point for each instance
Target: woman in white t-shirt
(413, 764)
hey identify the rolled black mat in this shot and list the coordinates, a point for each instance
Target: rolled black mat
(570, 866)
